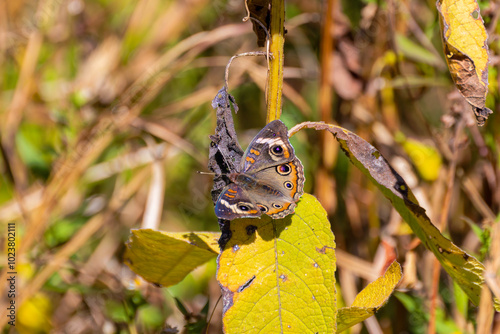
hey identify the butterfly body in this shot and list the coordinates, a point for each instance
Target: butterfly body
(270, 178)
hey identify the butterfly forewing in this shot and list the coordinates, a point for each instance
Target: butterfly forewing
(270, 147)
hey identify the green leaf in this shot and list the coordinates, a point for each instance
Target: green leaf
(204, 310)
(279, 275)
(150, 316)
(484, 236)
(415, 51)
(371, 299)
(408, 302)
(461, 300)
(116, 311)
(165, 258)
(181, 307)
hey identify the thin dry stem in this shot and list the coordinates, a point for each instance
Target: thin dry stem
(154, 204)
(244, 54)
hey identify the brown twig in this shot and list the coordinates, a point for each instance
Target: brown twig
(324, 183)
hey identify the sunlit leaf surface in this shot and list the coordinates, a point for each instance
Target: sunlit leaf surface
(425, 158)
(165, 258)
(370, 299)
(279, 275)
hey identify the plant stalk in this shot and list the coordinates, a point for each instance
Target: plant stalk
(275, 78)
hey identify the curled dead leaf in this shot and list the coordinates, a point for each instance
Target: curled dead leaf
(466, 50)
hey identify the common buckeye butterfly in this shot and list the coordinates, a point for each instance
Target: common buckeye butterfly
(269, 180)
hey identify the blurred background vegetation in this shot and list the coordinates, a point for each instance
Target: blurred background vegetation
(105, 117)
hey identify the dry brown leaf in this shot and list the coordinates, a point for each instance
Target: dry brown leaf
(466, 50)
(260, 10)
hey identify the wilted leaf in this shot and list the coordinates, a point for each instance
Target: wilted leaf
(225, 152)
(260, 10)
(371, 299)
(465, 269)
(466, 50)
(165, 258)
(279, 275)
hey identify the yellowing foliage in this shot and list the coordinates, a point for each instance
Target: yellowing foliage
(371, 299)
(34, 314)
(279, 275)
(165, 258)
(466, 50)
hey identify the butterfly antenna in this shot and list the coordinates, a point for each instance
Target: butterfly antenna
(205, 173)
(214, 174)
(211, 315)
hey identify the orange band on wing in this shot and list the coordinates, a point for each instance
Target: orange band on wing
(232, 191)
(273, 210)
(250, 160)
(230, 196)
(254, 152)
(293, 177)
(286, 153)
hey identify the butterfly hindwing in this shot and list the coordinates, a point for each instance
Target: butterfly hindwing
(279, 188)
(234, 202)
(287, 178)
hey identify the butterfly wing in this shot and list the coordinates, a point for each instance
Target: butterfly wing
(270, 147)
(234, 202)
(271, 178)
(278, 189)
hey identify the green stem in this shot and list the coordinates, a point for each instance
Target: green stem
(275, 79)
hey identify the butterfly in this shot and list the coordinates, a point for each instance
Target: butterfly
(269, 179)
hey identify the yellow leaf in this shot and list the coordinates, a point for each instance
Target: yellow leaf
(279, 275)
(466, 50)
(34, 315)
(350, 316)
(371, 299)
(426, 159)
(165, 258)
(376, 293)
